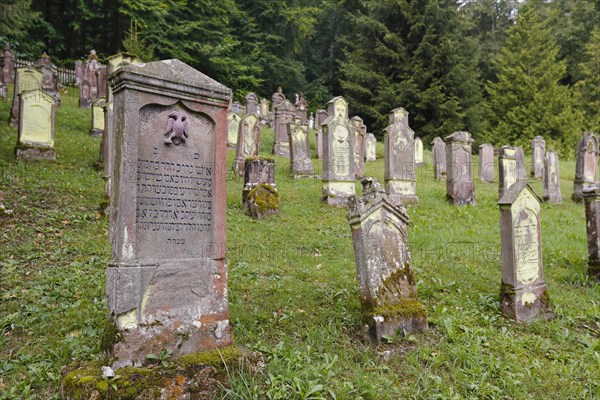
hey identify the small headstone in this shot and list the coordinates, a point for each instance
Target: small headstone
(523, 294)
(284, 114)
(98, 117)
(101, 81)
(85, 94)
(438, 151)
(520, 157)
(551, 179)
(586, 165)
(79, 72)
(26, 79)
(8, 67)
(237, 108)
(538, 153)
(460, 189)
(360, 131)
(321, 117)
(399, 170)
(251, 103)
(388, 293)
(302, 110)
(247, 142)
(507, 166)
(300, 164)
(311, 122)
(262, 201)
(591, 196)
(233, 125)
(264, 110)
(36, 126)
(49, 77)
(258, 170)
(486, 163)
(370, 147)
(418, 152)
(167, 280)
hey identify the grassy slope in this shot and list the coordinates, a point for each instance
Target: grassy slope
(293, 288)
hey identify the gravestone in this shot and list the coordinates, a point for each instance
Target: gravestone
(388, 293)
(85, 94)
(538, 152)
(260, 197)
(591, 197)
(237, 108)
(101, 81)
(507, 169)
(167, 280)
(26, 79)
(370, 147)
(300, 164)
(418, 152)
(399, 169)
(551, 179)
(460, 189)
(523, 294)
(251, 103)
(321, 117)
(98, 117)
(8, 66)
(79, 72)
(36, 126)
(233, 126)
(247, 142)
(486, 163)
(276, 100)
(258, 170)
(91, 66)
(49, 77)
(311, 122)
(360, 131)
(520, 157)
(284, 114)
(438, 152)
(264, 110)
(586, 165)
(302, 110)
(338, 154)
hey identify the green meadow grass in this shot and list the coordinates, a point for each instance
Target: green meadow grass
(293, 288)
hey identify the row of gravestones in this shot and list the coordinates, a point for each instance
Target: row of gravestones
(90, 77)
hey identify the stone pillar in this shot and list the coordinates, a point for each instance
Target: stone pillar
(247, 142)
(438, 151)
(538, 154)
(586, 165)
(551, 179)
(360, 131)
(460, 189)
(591, 196)
(399, 169)
(300, 164)
(167, 279)
(486, 163)
(507, 166)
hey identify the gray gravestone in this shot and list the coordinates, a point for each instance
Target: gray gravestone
(167, 280)
(258, 170)
(247, 142)
(486, 163)
(101, 81)
(538, 154)
(399, 159)
(251, 103)
(49, 77)
(388, 293)
(586, 165)
(438, 152)
(520, 157)
(8, 67)
(370, 147)
(233, 126)
(551, 178)
(36, 126)
(360, 131)
(300, 164)
(338, 154)
(284, 114)
(523, 294)
(507, 169)
(79, 72)
(591, 196)
(276, 99)
(460, 189)
(418, 152)
(259, 196)
(321, 117)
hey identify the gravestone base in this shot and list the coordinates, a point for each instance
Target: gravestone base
(526, 304)
(261, 201)
(458, 197)
(553, 198)
(401, 191)
(594, 270)
(336, 193)
(578, 188)
(303, 168)
(411, 316)
(35, 153)
(96, 132)
(281, 149)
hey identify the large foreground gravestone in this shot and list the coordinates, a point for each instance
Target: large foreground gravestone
(507, 166)
(36, 126)
(460, 189)
(300, 164)
(551, 178)
(591, 196)
(284, 114)
(247, 142)
(167, 280)
(523, 294)
(26, 78)
(370, 147)
(486, 163)
(538, 154)
(586, 165)
(388, 293)
(438, 152)
(399, 159)
(338, 154)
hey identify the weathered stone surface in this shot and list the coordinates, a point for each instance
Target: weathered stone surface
(507, 166)
(247, 143)
(258, 170)
(262, 201)
(8, 64)
(300, 164)
(486, 163)
(370, 147)
(438, 151)
(360, 132)
(284, 114)
(399, 170)
(36, 126)
(338, 154)
(101, 75)
(26, 79)
(591, 196)
(302, 109)
(85, 94)
(523, 294)
(167, 279)
(251, 103)
(418, 152)
(276, 100)
(91, 67)
(520, 157)
(388, 293)
(98, 117)
(586, 165)
(460, 189)
(538, 154)
(79, 72)
(264, 110)
(49, 77)
(321, 117)
(233, 127)
(552, 192)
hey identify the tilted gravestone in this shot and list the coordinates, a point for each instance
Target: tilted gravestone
(520, 157)
(233, 126)
(388, 293)
(49, 77)
(551, 179)
(486, 163)
(507, 169)
(247, 142)
(98, 117)
(460, 189)
(399, 167)
(258, 170)
(523, 294)
(300, 164)
(438, 152)
(370, 147)
(538, 154)
(284, 114)
(259, 196)
(586, 165)
(26, 79)
(360, 131)
(591, 196)
(36, 126)
(418, 152)
(251, 103)
(167, 280)
(321, 117)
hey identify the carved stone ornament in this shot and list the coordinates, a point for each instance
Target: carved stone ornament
(176, 132)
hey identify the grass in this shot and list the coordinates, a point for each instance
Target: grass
(293, 288)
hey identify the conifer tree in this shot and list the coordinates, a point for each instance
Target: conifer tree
(589, 86)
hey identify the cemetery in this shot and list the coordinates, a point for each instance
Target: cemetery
(165, 234)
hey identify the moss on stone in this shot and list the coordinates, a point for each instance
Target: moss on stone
(259, 158)
(507, 293)
(392, 286)
(25, 146)
(110, 336)
(545, 298)
(218, 358)
(403, 308)
(265, 198)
